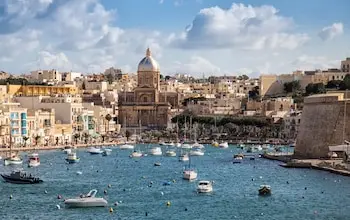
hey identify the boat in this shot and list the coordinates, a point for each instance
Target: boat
(196, 152)
(178, 145)
(72, 158)
(14, 159)
(67, 149)
(205, 186)
(85, 201)
(170, 153)
(106, 152)
(265, 190)
(186, 146)
(126, 147)
(156, 151)
(162, 143)
(20, 177)
(157, 164)
(223, 145)
(197, 145)
(258, 148)
(34, 160)
(95, 150)
(136, 154)
(171, 144)
(189, 173)
(215, 144)
(238, 158)
(183, 157)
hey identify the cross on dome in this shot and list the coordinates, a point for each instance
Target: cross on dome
(148, 52)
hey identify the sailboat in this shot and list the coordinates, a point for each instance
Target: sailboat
(137, 153)
(189, 173)
(14, 158)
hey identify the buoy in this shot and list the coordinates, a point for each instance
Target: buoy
(79, 172)
(45, 192)
(59, 197)
(105, 191)
(287, 182)
(116, 203)
(168, 203)
(146, 214)
(58, 207)
(186, 209)
(174, 181)
(305, 188)
(111, 210)
(11, 197)
(162, 193)
(109, 185)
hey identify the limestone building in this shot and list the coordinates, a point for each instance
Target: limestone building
(146, 104)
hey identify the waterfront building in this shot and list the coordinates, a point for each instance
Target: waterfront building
(146, 103)
(291, 122)
(36, 90)
(41, 124)
(226, 106)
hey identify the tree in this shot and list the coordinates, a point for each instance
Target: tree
(291, 87)
(167, 77)
(86, 137)
(103, 138)
(83, 86)
(127, 134)
(334, 84)
(108, 117)
(76, 137)
(110, 78)
(346, 83)
(37, 138)
(254, 93)
(25, 139)
(57, 139)
(316, 88)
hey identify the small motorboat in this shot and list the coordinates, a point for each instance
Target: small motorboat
(170, 153)
(190, 174)
(34, 160)
(265, 190)
(162, 143)
(178, 145)
(106, 152)
(20, 177)
(171, 144)
(238, 158)
(198, 145)
(215, 144)
(13, 160)
(136, 154)
(186, 146)
(158, 164)
(223, 145)
(72, 158)
(126, 147)
(205, 186)
(196, 152)
(184, 157)
(156, 151)
(95, 150)
(67, 149)
(85, 201)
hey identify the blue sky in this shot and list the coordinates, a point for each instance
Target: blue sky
(188, 36)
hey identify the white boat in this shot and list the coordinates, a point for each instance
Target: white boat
(136, 154)
(13, 160)
(183, 157)
(186, 146)
(107, 152)
(162, 143)
(72, 158)
(95, 150)
(178, 145)
(170, 153)
(67, 149)
(156, 151)
(171, 144)
(215, 144)
(190, 174)
(196, 152)
(258, 148)
(126, 147)
(84, 201)
(34, 160)
(197, 145)
(205, 186)
(223, 145)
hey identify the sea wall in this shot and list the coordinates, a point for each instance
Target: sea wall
(322, 124)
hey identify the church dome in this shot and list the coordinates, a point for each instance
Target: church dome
(148, 63)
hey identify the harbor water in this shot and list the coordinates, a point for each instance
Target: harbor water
(137, 189)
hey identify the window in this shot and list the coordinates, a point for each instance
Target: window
(145, 99)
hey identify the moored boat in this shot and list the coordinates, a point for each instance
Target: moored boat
(95, 150)
(72, 158)
(106, 152)
(34, 160)
(156, 151)
(223, 145)
(13, 160)
(85, 201)
(67, 149)
(265, 190)
(205, 186)
(196, 152)
(19, 177)
(183, 157)
(170, 153)
(126, 147)
(136, 154)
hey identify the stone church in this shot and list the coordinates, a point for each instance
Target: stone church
(146, 105)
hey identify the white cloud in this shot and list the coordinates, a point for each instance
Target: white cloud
(305, 62)
(196, 65)
(241, 26)
(161, 1)
(329, 32)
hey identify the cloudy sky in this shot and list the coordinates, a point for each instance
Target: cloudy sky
(209, 37)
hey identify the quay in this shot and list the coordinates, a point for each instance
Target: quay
(330, 165)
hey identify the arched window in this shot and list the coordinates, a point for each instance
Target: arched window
(145, 99)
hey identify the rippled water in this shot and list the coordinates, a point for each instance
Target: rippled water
(326, 195)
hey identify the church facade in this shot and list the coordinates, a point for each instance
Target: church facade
(146, 105)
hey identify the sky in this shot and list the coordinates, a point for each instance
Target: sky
(198, 37)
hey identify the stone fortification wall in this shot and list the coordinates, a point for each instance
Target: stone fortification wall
(322, 125)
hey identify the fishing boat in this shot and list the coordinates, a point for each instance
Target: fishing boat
(106, 152)
(136, 154)
(205, 186)
(170, 153)
(196, 152)
(95, 150)
(20, 177)
(126, 147)
(156, 151)
(223, 145)
(14, 159)
(265, 190)
(33, 160)
(72, 158)
(85, 201)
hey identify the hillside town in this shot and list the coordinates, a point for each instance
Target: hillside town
(49, 107)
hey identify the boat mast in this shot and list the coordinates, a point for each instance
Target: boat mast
(185, 129)
(344, 124)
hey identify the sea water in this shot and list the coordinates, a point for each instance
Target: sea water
(137, 189)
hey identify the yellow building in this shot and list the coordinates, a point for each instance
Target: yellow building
(35, 90)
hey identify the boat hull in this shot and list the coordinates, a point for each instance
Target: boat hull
(190, 175)
(73, 160)
(35, 164)
(12, 162)
(205, 190)
(21, 181)
(84, 203)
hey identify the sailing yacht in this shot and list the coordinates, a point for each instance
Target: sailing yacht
(189, 173)
(14, 158)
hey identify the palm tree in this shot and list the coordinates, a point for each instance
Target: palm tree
(108, 117)
(103, 137)
(37, 138)
(76, 137)
(25, 139)
(127, 135)
(86, 137)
